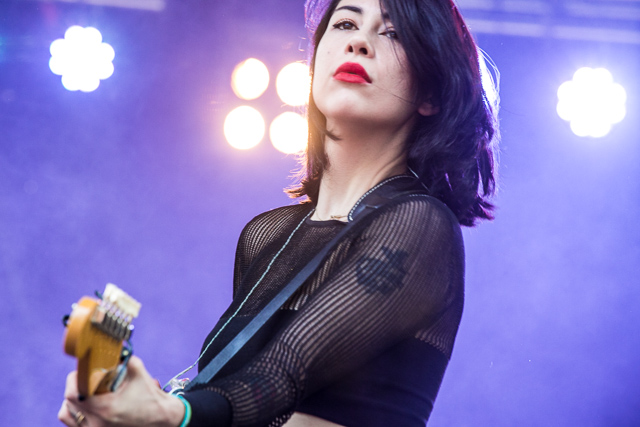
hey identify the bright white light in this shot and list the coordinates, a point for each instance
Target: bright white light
(289, 132)
(250, 79)
(293, 84)
(81, 58)
(244, 128)
(592, 102)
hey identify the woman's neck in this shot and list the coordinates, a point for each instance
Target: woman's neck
(355, 165)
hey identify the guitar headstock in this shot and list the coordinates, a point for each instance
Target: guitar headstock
(96, 330)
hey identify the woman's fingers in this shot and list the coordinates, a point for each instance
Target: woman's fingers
(71, 387)
(65, 416)
(68, 414)
(136, 368)
(70, 417)
(137, 373)
(136, 402)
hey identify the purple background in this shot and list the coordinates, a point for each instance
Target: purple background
(134, 184)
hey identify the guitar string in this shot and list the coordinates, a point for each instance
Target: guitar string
(286, 243)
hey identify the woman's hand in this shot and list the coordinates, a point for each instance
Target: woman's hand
(138, 401)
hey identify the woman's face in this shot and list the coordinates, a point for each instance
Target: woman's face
(361, 75)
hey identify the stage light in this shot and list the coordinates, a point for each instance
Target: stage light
(250, 79)
(293, 84)
(81, 58)
(592, 102)
(244, 128)
(289, 132)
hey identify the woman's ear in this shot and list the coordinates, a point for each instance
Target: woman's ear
(428, 109)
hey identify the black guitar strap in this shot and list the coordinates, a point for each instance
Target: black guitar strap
(390, 189)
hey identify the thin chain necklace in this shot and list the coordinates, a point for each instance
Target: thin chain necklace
(348, 216)
(332, 217)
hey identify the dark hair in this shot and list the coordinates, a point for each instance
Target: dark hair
(453, 151)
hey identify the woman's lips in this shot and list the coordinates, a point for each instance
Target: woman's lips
(352, 72)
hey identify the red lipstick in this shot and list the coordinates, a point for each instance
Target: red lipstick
(352, 72)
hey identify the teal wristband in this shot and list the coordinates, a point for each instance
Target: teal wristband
(187, 411)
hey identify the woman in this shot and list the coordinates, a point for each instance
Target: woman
(396, 94)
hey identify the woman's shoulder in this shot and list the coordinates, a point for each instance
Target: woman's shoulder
(419, 208)
(269, 227)
(274, 221)
(404, 198)
(282, 214)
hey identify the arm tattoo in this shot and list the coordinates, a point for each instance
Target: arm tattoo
(390, 268)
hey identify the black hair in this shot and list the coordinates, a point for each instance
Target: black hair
(453, 152)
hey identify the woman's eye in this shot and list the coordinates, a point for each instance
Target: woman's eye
(391, 34)
(345, 25)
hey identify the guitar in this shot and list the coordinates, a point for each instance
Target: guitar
(97, 334)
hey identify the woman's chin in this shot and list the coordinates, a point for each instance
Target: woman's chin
(352, 114)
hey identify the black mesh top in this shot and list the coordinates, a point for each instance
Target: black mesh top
(364, 342)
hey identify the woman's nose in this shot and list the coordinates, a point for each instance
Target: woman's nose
(360, 45)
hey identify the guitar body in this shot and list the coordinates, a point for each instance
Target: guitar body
(96, 329)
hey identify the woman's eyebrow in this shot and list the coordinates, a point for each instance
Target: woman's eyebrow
(351, 8)
(358, 10)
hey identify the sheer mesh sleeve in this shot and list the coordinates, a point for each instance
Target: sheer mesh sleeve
(259, 233)
(399, 274)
